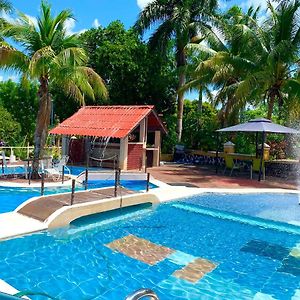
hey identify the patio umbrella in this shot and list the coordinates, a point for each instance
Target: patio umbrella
(259, 125)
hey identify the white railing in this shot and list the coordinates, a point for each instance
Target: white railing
(27, 148)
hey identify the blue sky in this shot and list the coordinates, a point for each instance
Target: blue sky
(89, 13)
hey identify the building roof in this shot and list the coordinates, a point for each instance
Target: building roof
(260, 125)
(108, 121)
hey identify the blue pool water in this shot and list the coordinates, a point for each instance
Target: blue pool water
(75, 170)
(11, 198)
(253, 260)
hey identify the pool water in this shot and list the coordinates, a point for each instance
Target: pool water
(252, 261)
(286, 205)
(11, 198)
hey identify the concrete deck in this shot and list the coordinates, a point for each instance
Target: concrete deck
(203, 177)
(15, 224)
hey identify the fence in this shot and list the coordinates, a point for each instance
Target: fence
(117, 189)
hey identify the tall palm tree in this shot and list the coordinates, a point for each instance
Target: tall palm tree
(224, 60)
(276, 73)
(52, 58)
(181, 20)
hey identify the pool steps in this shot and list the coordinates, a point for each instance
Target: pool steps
(292, 229)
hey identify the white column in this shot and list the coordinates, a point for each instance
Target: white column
(156, 153)
(143, 139)
(123, 153)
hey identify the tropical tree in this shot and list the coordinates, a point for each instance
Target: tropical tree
(52, 58)
(181, 21)
(276, 76)
(120, 55)
(6, 7)
(224, 59)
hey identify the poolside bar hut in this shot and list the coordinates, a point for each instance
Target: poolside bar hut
(256, 126)
(104, 135)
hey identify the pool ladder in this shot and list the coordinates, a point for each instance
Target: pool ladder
(141, 293)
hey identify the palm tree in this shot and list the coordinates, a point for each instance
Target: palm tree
(6, 7)
(224, 60)
(52, 58)
(181, 20)
(276, 73)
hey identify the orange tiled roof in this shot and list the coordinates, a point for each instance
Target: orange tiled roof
(107, 121)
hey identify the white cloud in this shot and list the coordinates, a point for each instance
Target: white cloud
(14, 78)
(96, 23)
(7, 17)
(142, 3)
(70, 26)
(33, 20)
(1, 78)
(255, 3)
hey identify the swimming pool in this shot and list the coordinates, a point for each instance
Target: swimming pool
(12, 197)
(75, 170)
(228, 257)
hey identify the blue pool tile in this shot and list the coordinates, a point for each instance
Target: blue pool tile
(266, 249)
(290, 265)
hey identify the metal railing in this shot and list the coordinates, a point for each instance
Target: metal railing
(142, 293)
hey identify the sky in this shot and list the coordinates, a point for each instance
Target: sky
(92, 13)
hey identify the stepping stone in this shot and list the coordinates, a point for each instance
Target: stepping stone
(140, 249)
(195, 270)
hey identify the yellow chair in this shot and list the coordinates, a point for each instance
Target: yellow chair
(255, 167)
(230, 164)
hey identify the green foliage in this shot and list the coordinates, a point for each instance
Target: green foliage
(9, 128)
(170, 140)
(22, 103)
(133, 74)
(199, 126)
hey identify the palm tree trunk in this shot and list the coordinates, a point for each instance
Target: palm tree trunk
(181, 63)
(200, 100)
(42, 123)
(271, 103)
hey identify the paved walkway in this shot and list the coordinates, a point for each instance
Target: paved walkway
(206, 178)
(15, 224)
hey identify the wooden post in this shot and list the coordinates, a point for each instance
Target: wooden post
(262, 155)
(86, 178)
(28, 150)
(217, 153)
(256, 144)
(116, 183)
(73, 191)
(43, 184)
(148, 182)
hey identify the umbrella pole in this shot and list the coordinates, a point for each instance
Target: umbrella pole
(262, 155)
(217, 154)
(256, 144)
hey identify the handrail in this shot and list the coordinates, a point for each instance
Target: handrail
(141, 293)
